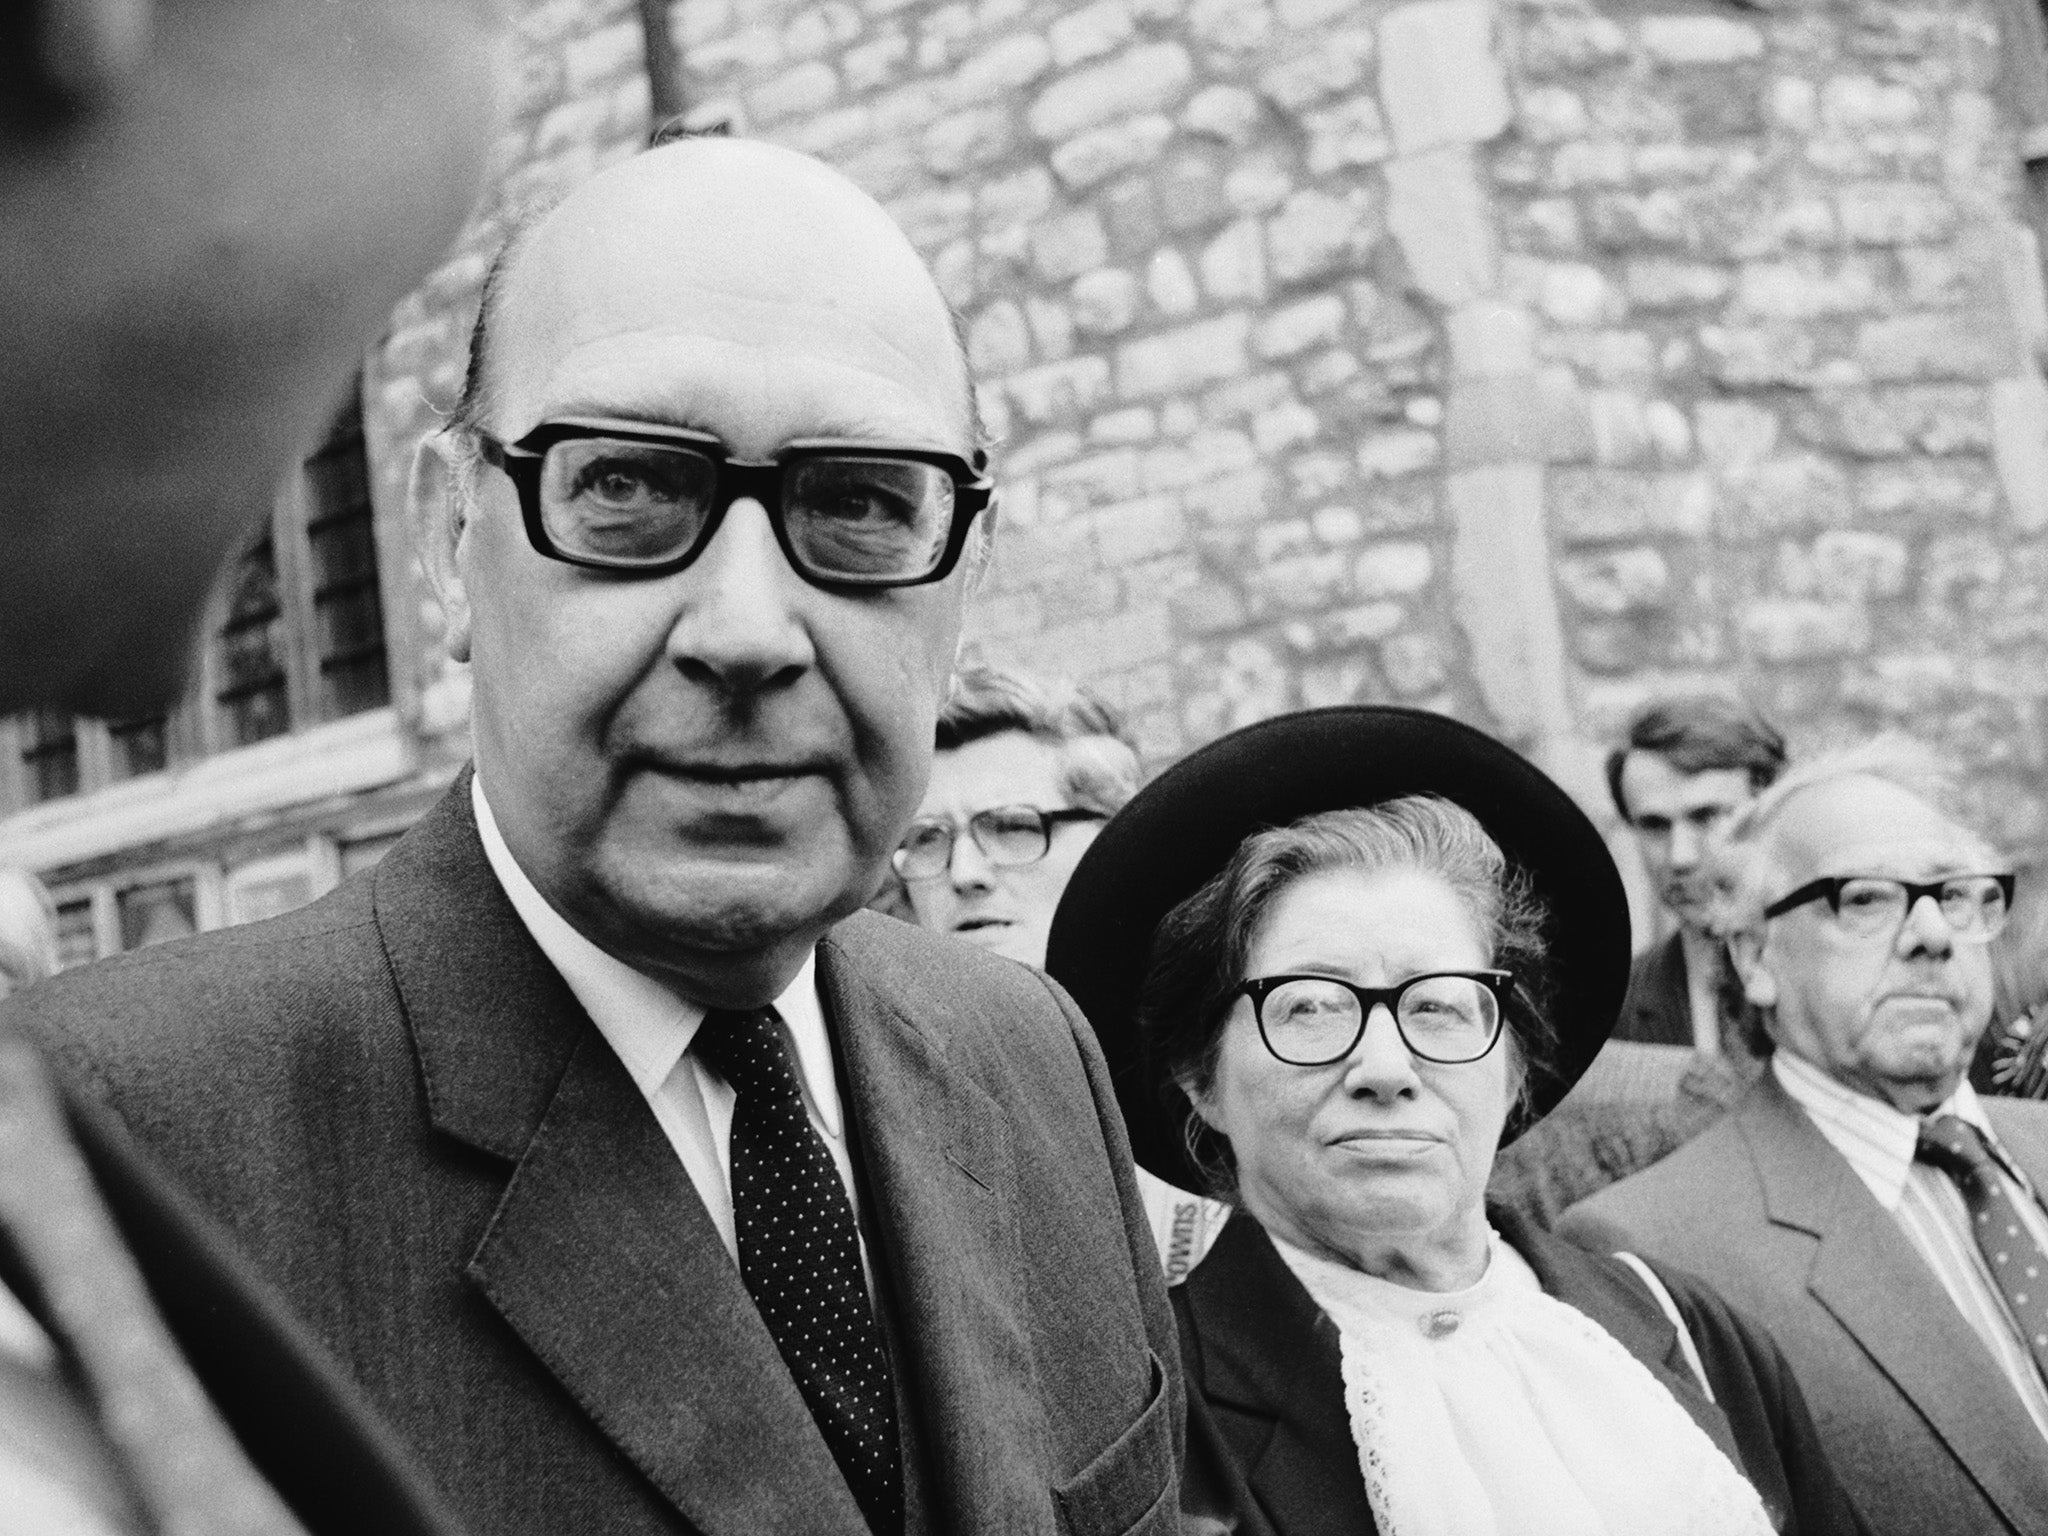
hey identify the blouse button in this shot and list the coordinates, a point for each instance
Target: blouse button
(1440, 1325)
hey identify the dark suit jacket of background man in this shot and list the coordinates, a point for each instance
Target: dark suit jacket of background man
(1658, 1009)
(1915, 1415)
(400, 1108)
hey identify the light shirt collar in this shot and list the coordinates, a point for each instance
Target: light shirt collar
(1877, 1139)
(648, 1026)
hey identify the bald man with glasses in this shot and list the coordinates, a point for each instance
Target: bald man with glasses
(1883, 1221)
(646, 1182)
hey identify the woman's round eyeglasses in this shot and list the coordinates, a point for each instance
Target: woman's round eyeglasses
(1447, 1017)
(1007, 835)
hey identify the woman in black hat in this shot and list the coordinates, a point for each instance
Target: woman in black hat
(1385, 943)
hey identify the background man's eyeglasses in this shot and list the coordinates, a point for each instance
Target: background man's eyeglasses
(626, 496)
(1442, 1016)
(1975, 907)
(1005, 834)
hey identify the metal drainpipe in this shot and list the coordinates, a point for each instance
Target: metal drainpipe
(664, 63)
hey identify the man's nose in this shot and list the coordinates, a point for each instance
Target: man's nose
(1686, 844)
(1926, 931)
(1380, 1064)
(969, 868)
(739, 628)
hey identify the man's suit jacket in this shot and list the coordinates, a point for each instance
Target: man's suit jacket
(1658, 1008)
(401, 1109)
(190, 1397)
(1916, 1417)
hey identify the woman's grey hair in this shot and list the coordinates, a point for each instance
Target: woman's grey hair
(1098, 766)
(1200, 948)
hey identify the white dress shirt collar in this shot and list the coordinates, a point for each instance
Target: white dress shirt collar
(648, 1026)
(1877, 1140)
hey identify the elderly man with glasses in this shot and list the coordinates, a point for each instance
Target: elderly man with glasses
(1884, 1222)
(647, 1183)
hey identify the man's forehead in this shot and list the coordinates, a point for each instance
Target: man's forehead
(1650, 777)
(1865, 825)
(738, 247)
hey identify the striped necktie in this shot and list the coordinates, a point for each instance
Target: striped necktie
(800, 1258)
(2018, 1266)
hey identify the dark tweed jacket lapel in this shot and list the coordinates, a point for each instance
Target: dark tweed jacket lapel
(1868, 1276)
(600, 1257)
(940, 1213)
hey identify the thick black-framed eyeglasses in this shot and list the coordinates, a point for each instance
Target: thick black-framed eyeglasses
(1007, 835)
(1975, 907)
(646, 500)
(1449, 1017)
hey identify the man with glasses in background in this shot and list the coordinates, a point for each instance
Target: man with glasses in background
(1026, 774)
(1862, 1202)
(647, 1183)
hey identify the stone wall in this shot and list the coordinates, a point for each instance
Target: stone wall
(1511, 359)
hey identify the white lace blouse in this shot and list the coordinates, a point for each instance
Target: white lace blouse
(1501, 1411)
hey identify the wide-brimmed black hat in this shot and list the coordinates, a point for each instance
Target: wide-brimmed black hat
(1183, 827)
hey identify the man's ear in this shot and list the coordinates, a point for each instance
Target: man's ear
(438, 496)
(1746, 954)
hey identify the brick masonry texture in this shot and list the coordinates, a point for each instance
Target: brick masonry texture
(1514, 359)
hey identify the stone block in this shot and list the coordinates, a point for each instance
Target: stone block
(1230, 496)
(1170, 284)
(1235, 399)
(1018, 199)
(1100, 153)
(2019, 428)
(1284, 425)
(1573, 294)
(1282, 540)
(1415, 664)
(1129, 531)
(1895, 213)
(954, 270)
(1226, 112)
(1914, 347)
(998, 340)
(579, 121)
(596, 59)
(1202, 353)
(1093, 481)
(1329, 371)
(1615, 582)
(1602, 505)
(1090, 32)
(1393, 569)
(1662, 283)
(966, 140)
(1590, 163)
(1134, 424)
(1005, 66)
(1894, 422)
(1550, 114)
(1059, 392)
(1851, 103)
(1933, 489)
(932, 218)
(1440, 81)
(1788, 630)
(1700, 39)
(1144, 79)
(1257, 184)
(1806, 288)
(1390, 455)
(794, 93)
(1628, 221)
(1443, 222)
(1789, 491)
(1337, 525)
(1345, 135)
(1233, 265)
(1744, 357)
(1546, 226)
(874, 63)
(1231, 26)
(1491, 339)
(1334, 66)
(1104, 301)
(1347, 680)
(821, 29)
(1292, 330)
(1318, 234)
(1570, 41)
(1066, 244)
(1603, 357)
(1052, 326)
(1854, 565)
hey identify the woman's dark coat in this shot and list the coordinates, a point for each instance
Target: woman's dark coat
(1269, 1445)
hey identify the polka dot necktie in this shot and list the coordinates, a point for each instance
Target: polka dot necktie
(800, 1258)
(2017, 1263)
